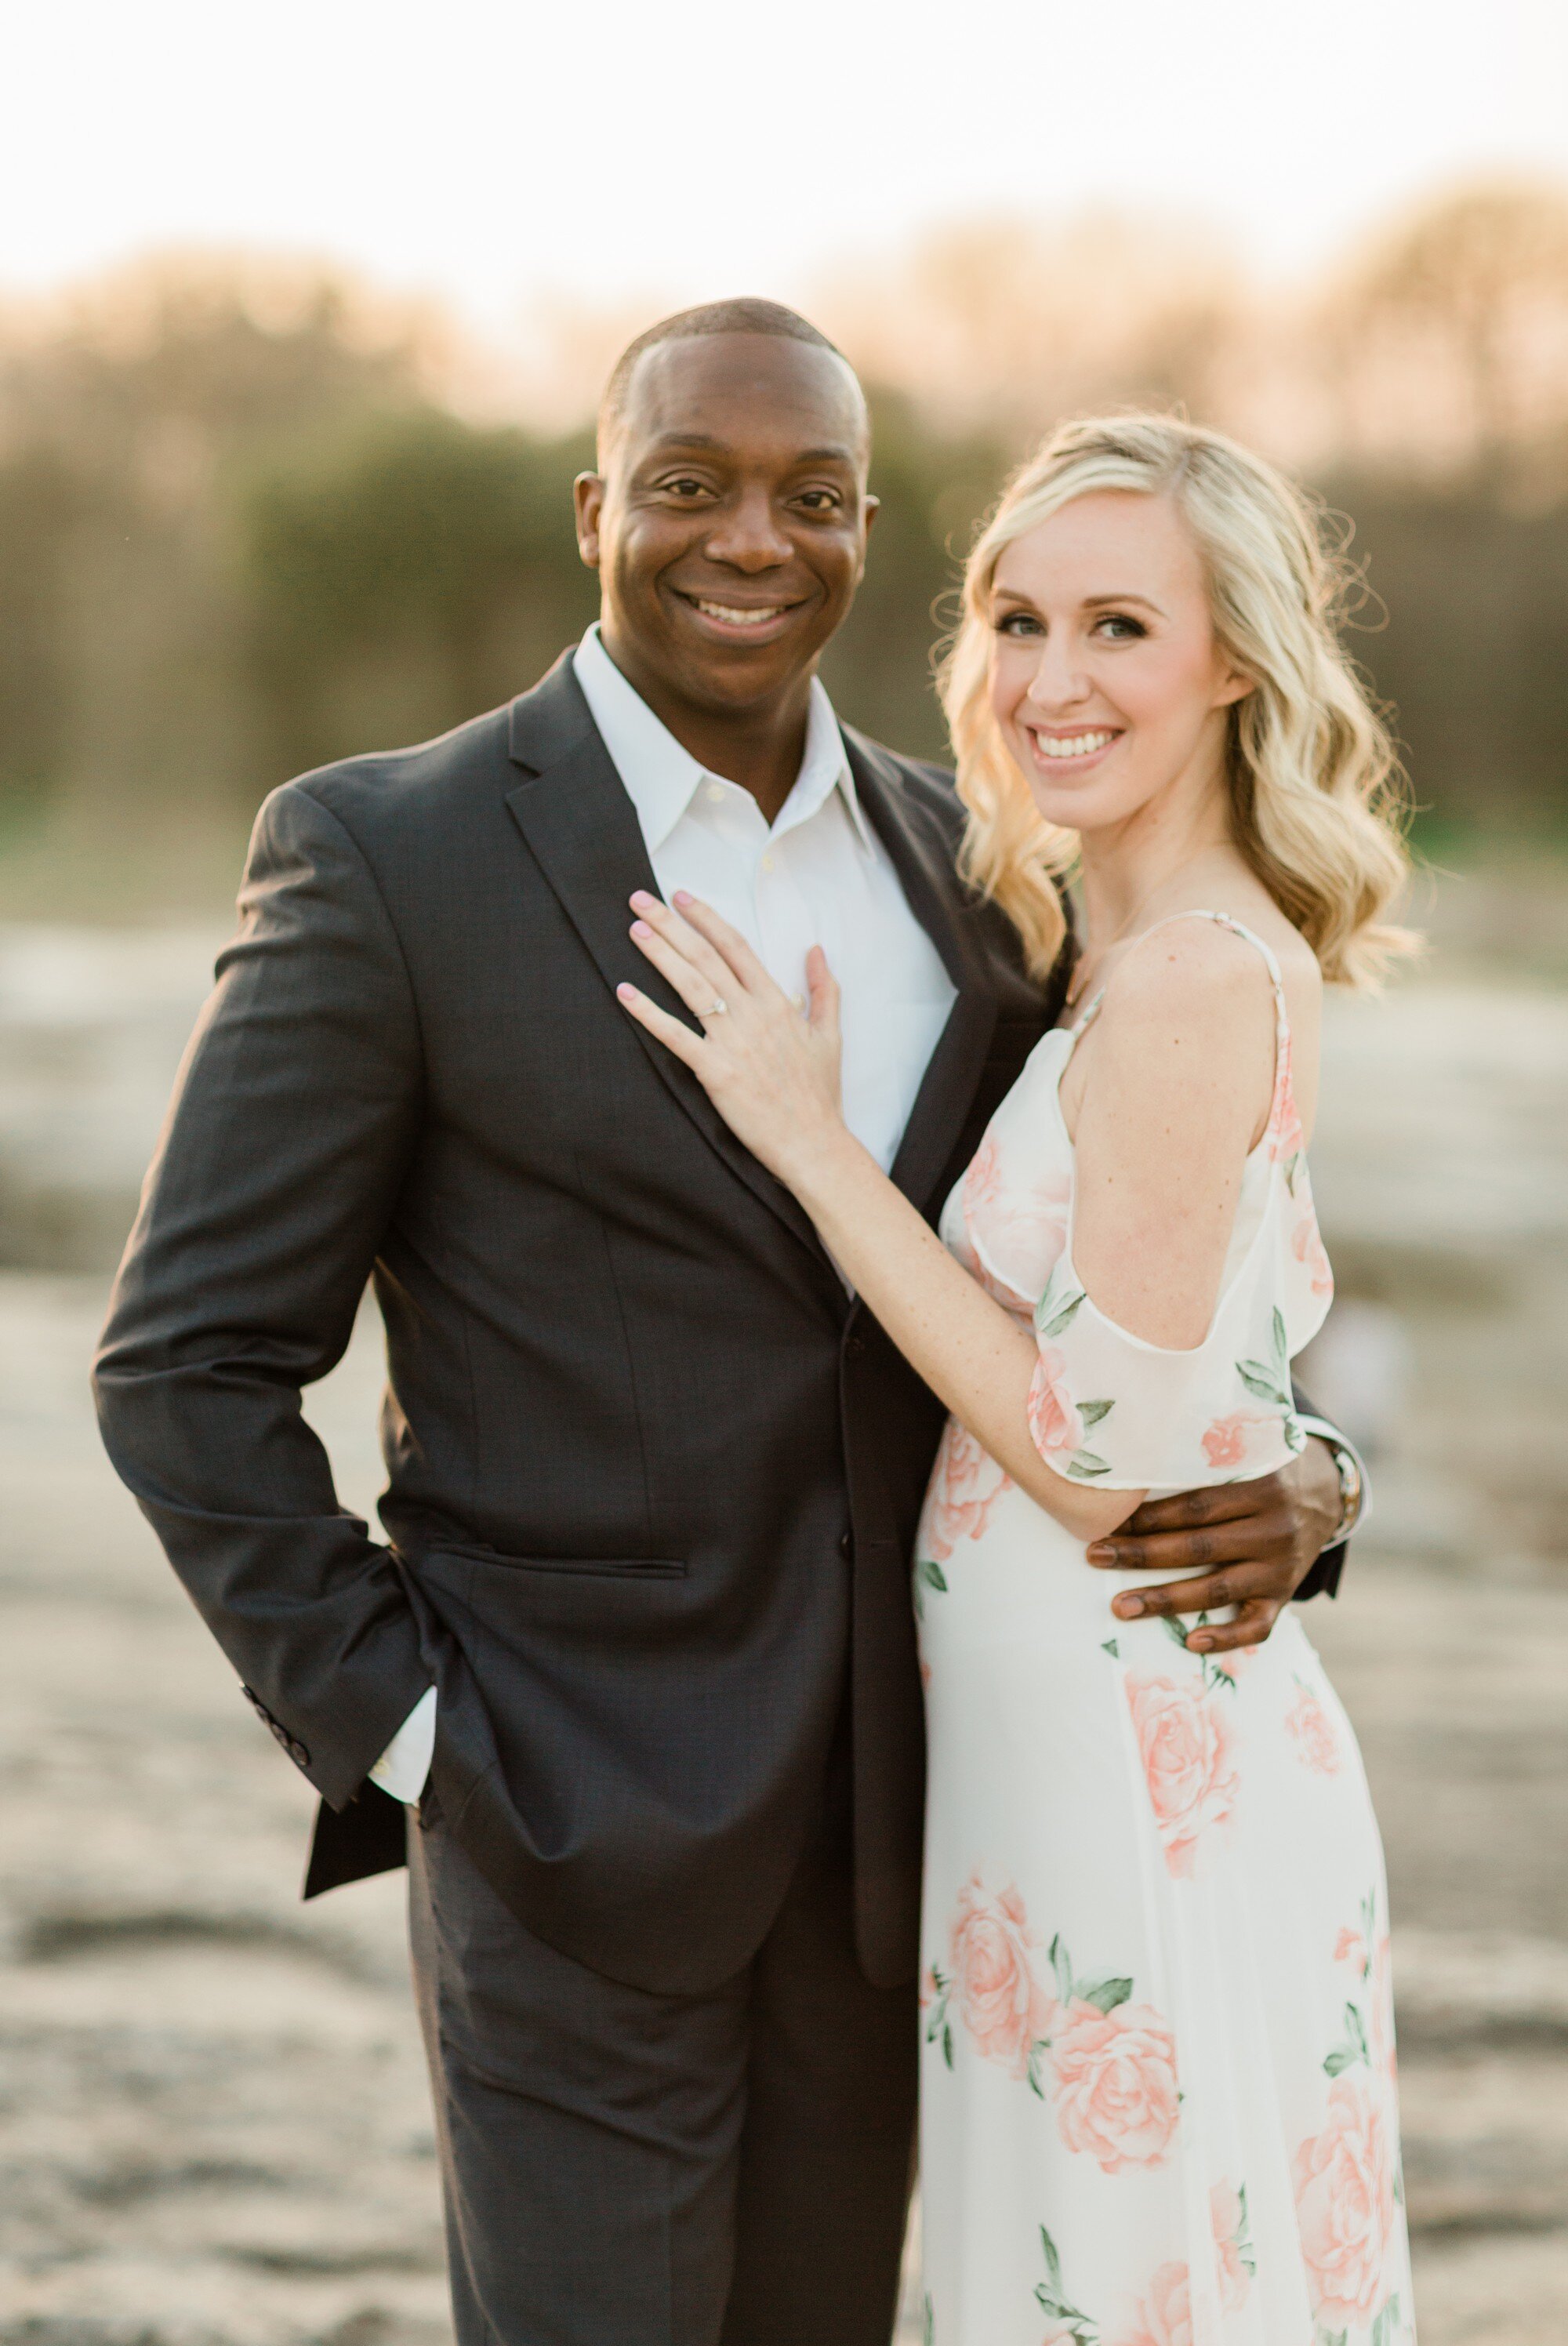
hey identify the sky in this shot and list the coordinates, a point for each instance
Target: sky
(491, 152)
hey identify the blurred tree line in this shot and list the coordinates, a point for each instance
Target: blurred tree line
(239, 536)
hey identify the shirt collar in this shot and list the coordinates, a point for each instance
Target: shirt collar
(661, 778)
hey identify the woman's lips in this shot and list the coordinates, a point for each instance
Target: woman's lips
(1061, 752)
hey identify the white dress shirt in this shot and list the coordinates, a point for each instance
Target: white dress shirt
(817, 875)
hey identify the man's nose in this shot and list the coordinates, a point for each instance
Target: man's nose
(747, 535)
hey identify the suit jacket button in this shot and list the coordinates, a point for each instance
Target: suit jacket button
(847, 1546)
(298, 1753)
(854, 1346)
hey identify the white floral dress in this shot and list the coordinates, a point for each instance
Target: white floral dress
(1158, 2103)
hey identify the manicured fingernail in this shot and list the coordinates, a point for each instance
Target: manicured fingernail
(625, 993)
(684, 896)
(642, 902)
(641, 929)
(1129, 1607)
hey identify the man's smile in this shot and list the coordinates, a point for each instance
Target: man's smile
(732, 621)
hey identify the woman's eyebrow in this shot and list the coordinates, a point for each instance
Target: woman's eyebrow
(1094, 601)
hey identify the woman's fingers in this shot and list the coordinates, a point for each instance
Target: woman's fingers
(670, 1031)
(822, 989)
(720, 978)
(697, 989)
(738, 955)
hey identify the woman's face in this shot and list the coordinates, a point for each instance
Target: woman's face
(1106, 678)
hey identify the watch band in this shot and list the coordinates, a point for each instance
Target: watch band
(1352, 1487)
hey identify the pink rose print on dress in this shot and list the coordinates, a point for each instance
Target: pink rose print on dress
(1013, 1237)
(1115, 2083)
(992, 1980)
(1315, 1741)
(1344, 2180)
(1285, 1137)
(967, 1485)
(1307, 1246)
(1052, 1420)
(1233, 2245)
(1164, 2316)
(1367, 1952)
(1228, 1440)
(1185, 1746)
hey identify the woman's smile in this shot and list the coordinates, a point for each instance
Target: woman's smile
(1060, 751)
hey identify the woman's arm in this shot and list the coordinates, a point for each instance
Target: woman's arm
(775, 1078)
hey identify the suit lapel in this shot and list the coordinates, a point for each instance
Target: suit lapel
(922, 858)
(572, 810)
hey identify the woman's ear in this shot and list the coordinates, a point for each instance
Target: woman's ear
(1233, 687)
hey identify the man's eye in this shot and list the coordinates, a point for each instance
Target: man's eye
(820, 500)
(684, 486)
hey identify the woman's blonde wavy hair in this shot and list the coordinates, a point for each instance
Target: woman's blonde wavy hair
(1316, 788)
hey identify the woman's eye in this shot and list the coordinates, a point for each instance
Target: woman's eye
(1121, 628)
(1019, 623)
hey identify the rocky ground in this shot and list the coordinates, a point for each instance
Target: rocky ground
(213, 2126)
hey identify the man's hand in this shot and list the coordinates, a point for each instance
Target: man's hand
(1261, 1539)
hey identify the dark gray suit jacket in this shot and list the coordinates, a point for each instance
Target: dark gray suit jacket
(652, 1480)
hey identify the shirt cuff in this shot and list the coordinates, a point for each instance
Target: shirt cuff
(404, 1766)
(1336, 1440)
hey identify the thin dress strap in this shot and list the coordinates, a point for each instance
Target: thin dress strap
(1281, 1107)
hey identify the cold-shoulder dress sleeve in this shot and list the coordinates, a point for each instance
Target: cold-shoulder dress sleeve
(1107, 1408)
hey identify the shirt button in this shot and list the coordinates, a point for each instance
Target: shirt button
(715, 793)
(768, 864)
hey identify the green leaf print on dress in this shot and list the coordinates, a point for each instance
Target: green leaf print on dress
(928, 1574)
(1270, 1380)
(1050, 2296)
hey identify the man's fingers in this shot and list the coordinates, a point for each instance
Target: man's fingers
(1238, 1583)
(1221, 1504)
(1205, 1594)
(1252, 1626)
(1229, 1543)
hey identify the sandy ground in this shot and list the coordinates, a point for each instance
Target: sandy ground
(213, 2125)
(213, 2122)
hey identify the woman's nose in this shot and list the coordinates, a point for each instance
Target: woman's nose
(1059, 680)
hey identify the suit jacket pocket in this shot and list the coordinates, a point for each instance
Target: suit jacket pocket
(620, 1567)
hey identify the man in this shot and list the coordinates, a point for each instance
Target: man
(640, 1649)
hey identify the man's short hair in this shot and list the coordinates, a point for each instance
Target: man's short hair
(740, 317)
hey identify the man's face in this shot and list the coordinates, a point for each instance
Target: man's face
(728, 525)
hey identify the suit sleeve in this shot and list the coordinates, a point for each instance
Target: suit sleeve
(279, 1169)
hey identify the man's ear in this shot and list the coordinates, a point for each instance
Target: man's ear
(589, 501)
(872, 508)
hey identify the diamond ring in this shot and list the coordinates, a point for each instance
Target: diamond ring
(715, 1009)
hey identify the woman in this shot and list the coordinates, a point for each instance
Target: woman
(1158, 2102)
